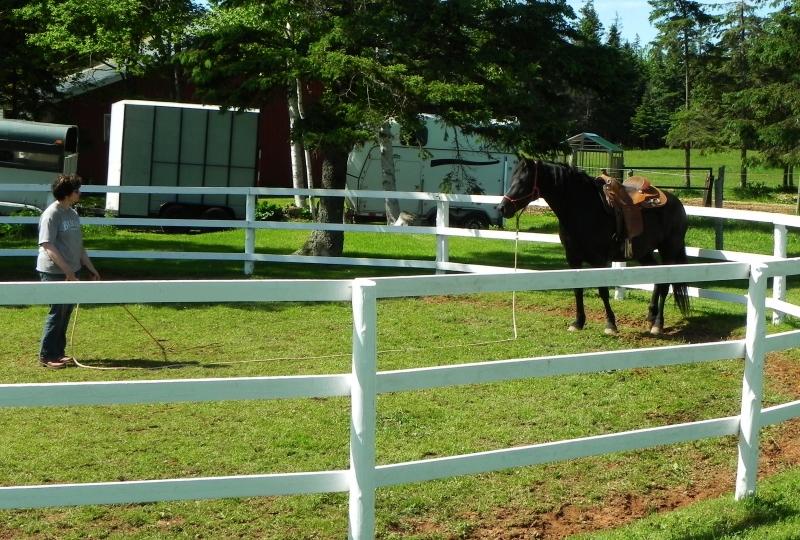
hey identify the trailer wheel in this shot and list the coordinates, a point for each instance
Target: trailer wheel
(475, 220)
(175, 212)
(215, 213)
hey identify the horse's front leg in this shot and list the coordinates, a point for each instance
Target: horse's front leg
(611, 321)
(580, 314)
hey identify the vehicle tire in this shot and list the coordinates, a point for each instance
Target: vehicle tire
(215, 213)
(475, 220)
(175, 212)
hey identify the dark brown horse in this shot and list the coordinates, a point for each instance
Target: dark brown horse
(589, 232)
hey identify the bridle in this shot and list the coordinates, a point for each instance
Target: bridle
(534, 194)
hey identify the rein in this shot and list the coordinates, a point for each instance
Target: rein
(534, 192)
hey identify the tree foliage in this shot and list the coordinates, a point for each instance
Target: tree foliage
(29, 73)
(684, 27)
(133, 37)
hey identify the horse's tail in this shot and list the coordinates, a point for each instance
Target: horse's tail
(680, 291)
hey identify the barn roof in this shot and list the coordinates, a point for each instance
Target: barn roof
(91, 78)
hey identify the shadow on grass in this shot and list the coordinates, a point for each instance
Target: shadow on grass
(759, 512)
(703, 328)
(135, 363)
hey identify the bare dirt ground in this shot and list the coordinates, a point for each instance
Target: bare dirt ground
(748, 205)
(778, 453)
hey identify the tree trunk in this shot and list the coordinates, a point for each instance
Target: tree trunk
(298, 178)
(387, 173)
(687, 152)
(743, 172)
(330, 209)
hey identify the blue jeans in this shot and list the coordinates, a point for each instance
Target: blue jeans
(54, 334)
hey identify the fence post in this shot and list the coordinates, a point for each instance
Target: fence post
(442, 240)
(619, 291)
(752, 383)
(249, 234)
(718, 187)
(362, 411)
(779, 282)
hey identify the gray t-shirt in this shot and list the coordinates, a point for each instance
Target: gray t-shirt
(62, 228)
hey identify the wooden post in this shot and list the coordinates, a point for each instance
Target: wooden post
(779, 282)
(362, 411)
(707, 197)
(250, 233)
(442, 240)
(752, 384)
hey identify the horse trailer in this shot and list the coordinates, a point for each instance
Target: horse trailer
(180, 145)
(439, 158)
(34, 153)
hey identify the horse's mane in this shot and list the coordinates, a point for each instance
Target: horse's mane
(565, 176)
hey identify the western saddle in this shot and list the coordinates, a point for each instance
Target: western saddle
(627, 200)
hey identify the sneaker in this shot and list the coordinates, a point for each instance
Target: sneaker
(52, 364)
(67, 360)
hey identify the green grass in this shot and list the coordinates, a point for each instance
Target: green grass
(132, 442)
(764, 184)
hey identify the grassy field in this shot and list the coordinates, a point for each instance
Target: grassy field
(765, 185)
(131, 442)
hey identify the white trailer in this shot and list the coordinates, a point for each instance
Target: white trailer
(184, 145)
(441, 154)
(34, 153)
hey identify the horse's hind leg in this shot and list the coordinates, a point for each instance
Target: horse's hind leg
(611, 320)
(655, 311)
(655, 315)
(580, 313)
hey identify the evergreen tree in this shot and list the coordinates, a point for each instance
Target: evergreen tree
(683, 27)
(662, 95)
(606, 107)
(775, 98)
(731, 74)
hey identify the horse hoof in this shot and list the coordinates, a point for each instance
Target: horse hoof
(656, 330)
(611, 331)
(573, 328)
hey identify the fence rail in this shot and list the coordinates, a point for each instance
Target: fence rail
(442, 232)
(365, 382)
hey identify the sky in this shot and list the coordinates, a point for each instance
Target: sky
(633, 15)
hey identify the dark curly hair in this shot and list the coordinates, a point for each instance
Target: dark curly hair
(65, 185)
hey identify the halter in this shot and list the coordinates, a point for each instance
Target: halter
(534, 192)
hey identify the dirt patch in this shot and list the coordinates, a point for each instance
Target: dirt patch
(779, 450)
(776, 208)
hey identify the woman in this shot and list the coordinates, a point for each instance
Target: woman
(61, 256)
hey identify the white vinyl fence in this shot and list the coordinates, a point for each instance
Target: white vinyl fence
(780, 223)
(364, 382)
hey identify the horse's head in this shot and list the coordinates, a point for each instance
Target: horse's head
(524, 187)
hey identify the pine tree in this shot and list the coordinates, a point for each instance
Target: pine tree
(683, 27)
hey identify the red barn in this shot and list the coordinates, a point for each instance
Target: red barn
(88, 106)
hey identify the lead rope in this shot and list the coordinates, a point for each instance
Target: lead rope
(164, 351)
(514, 293)
(155, 340)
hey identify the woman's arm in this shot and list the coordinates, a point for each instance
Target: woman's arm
(87, 262)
